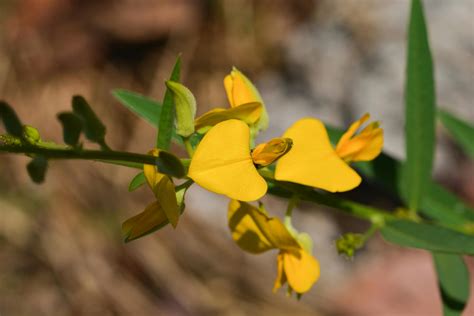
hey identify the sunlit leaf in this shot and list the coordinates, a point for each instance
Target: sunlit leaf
(420, 109)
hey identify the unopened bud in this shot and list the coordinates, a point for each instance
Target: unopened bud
(267, 153)
(348, 243)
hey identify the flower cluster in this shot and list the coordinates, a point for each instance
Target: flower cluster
(226, 162)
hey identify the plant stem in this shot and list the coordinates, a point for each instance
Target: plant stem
(287, 190)
(85, 154)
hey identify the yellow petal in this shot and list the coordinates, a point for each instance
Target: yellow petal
(240, 90)
(301, 270)
(281, 277)
(248, 112)
(152, 175)
(271, 228)
(362, 147)
(312, 160)
(222, 163)
(148, 221)
(166, 197)
(244, 230)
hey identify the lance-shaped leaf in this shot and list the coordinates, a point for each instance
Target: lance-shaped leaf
(137, 182)
(419, 109)
(94, 129)
(72, 127)
(461, 131)
(37, 169)
(10, 120)
(166, 126)
(430, 237)
(453, 282)
(185, 104)
(144, 107)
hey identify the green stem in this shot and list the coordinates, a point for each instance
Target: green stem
(98, 155)
(189, 147)
(287, 190)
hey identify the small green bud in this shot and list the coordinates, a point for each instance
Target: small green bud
(31, 134)
(347, 244)
(185, 104)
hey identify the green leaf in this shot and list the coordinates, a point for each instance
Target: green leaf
(453, 282)
(94, 129)
(185, 104)
(145, 108)
(72, 127)
(425, 236)
(419, 109)
(169, 164)
(37, 169)
(10, 120)
(166, 126)
(461, 131)
(137, 182)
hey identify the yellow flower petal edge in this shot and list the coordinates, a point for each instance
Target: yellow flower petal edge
(248, 112)
(241, 90)
(245, 231)
(301, 270)
(252, 229)
(163, 189)
(148, 221)
(313, 161)
(222, 163)
(362, 147)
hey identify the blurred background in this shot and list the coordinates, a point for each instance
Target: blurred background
(61, 251)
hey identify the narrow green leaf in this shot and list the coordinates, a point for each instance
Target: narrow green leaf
(37, 169)
(145, 108)
(72, 127)
(419, 109)
(453, 282)
(169, 164)
(11, 121)
(137, 182)
(185, 105)
(94, 129)
(420, 235)
(461, 131)
(166, 126)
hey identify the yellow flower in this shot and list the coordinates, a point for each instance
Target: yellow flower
(222, 162)
(158, 213)
(255, 232)
(240, 90)
(246, 105)
(314, 162)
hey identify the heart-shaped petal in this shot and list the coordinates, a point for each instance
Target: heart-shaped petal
(312, 160)
(222, 163)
